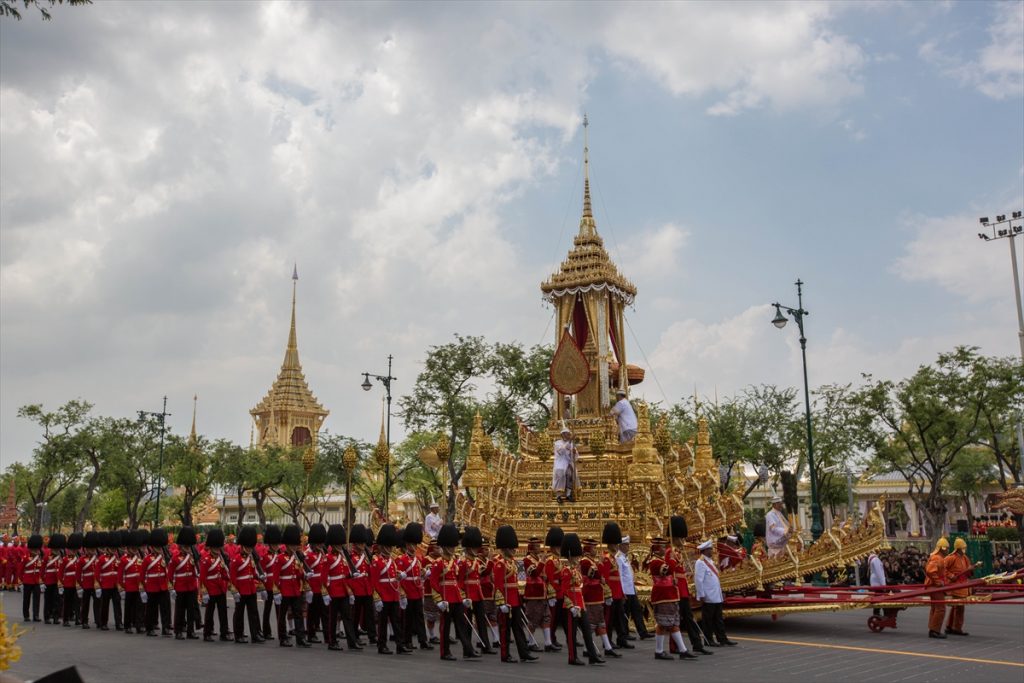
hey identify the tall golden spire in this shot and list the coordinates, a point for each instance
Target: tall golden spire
(192, 438)
(587, 212)
(291, 354)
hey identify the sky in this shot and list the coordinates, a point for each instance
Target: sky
(163, 166)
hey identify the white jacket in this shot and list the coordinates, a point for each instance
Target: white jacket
(705, 578)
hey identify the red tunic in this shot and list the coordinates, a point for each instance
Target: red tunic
(663, 576)
(572, 581)
(360, 585)
(87, 571)
(51, 568)
(268, 562)
(32, 570)
(487, 579)
(536, 585)
(446, 579)
(289, 576)
(553, 574)
(131, 573)
(506, 583)
(610, 572)
(593, 586)
(183, 572)
(412, 584)
(472, 581)
(154, 572)
(316, 559)
(110, 571)
(243, 573)
(679, 572)
(213, 573)
(385, 579)
(334, 575)
(69, 570)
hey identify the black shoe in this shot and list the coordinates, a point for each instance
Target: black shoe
(179, 636)
(711, 643)
(166, 633)
(287, 642)
(625, 645)
(258, 639)
(225, 639)
(936, 634)
(687, 655)
(630, 637)
(730, 643)
(152, 634)
(302, 643)
(355, 646)
(704, 652)
(86, 627)
(67, 625)
(596, 661)
(612, 653)
(646, 636)
(403, 650)
(192, 636)
(385, 651)
(102, 628)
(335, 646)
(577, 662)
(662, 655)
(241, 640)
(552, 648)
(530, 658)
(208, 639)
(956, 632)
(448, 658)
(426, 646)
(313, 639)
(435, 640)
(510, 660)
(471, 655)
(117, 627)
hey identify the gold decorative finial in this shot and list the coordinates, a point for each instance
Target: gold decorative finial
(291, 354)
(192, 435)
(382, 452)
(587, 211)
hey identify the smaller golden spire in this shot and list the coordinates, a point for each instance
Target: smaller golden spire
(587, 211)
(383, 450)
(192, 438)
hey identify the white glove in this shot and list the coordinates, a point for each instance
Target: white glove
(608, 601)
(378, 605)
(309, 597)
(402, 575)
(277, 599)
(80, 593)
(174, 594)
(206, 599)
(122, 594)
(263, 596)
(60, 590)
(467, 603)
(237, 597)
(575, 612)
(504, 609)
(403, 602)
(351, 599)
(442, 606)
(144, 597)
(327, 599)
(552, 602)
(98, 592)
(427, 573)
(310, 575)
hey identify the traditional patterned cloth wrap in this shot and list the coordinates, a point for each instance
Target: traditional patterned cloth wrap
(666, 614)
(538, 614)
(596, 615)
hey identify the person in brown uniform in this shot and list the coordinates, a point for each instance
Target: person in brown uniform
(958, 569)
(935, 575)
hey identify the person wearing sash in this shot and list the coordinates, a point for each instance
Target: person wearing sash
(69, 579)
(337, 570)
(88, 588)
(447, 586)
(433, 523)
(665, 600)
(628, 580)
(595, 595)
(410, 564)
(31, 577)
(571, 581)
(535, 595)
(430, 612)
(776, 528)
(244, 582)
(564, 479)
(131, 580)
(289, 580)
(214, 567)
(935, 576)
(51, 578)
(677, 553)
(316, 618)
(387, 591)
(155, 584)
(183, 573)
(110, 578)
(709, 592)
(615, 613)
(506, 597)
(556, 591)
(362, 607)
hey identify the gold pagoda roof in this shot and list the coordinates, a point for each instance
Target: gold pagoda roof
(588, 266)
(290, 391)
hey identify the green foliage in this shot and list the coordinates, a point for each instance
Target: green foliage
(1002, 533)
(9, 8)
(188, 464)
(108, 509)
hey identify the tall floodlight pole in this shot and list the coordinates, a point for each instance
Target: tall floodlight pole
(162, 417)
(386, 380)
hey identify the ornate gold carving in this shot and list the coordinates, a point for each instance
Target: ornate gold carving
(570, 371)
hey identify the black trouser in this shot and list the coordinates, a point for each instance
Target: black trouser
(158, 607)
(617, 622)
(30, 593)
(293, 603)
(414, 623)
(89, 596)
(582, 622)
(456, 614)
(713, 621)
(51, 603)
(110, 595)
(337, 611)
(186, 612)
(364, 617)
(247, 604)
(481, 624)
(389, 615)
(513, 621)
(220, 603)
(689, 624)
(559, 617)
(70, 606)
(134, 612)
(316, 616)
(636, 613)
(268, 607)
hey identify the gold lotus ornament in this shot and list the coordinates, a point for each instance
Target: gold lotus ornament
(428, 456)
(349, 459)
(308, 460)
(443, 449)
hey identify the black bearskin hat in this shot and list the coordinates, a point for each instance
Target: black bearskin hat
(358, 534)
(336, 534)
(505, 538)
(35, 542)
(123, 536)
(388, 536)
(292, 535)
(186, 536)
(759, 529)
(413, 533)
(677, 527)
(91, 540)
(75, 540)
(143, 537)
(215, 538)
(158, 537)
(472, 538)
(571, 546)
(368, 537)
(554, 537)
(448, 536)
(58, 542)
(103, 539)
(247, 537)
(317, 533)
(272, 535)
(611, 534)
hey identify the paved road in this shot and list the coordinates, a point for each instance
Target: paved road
(826, 647)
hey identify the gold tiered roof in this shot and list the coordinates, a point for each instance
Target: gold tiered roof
(289, 391)
(588, 266)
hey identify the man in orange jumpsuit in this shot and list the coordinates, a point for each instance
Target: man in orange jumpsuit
(935, 575)
(958, 569)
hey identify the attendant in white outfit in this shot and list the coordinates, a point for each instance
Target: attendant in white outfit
(628, 581)
(625, 416)
(709, 592)
(776, 528)
(876, 575)
(433, 523)
(563, 478)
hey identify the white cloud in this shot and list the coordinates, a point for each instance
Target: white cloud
(654, 254)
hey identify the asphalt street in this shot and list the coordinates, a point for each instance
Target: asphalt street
(825, 646)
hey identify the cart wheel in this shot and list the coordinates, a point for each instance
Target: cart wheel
(875, 623)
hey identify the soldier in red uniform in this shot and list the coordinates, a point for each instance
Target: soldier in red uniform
(155, 584)
(507, 597)
(31, 577)
(88, 573)
(214, 568)
(362, 591)
(290, 580)
(387, 591)
(51, 578)
(183, 574)
(335, 573)
(677, 555)
(69, 579)
(20, 555)
(472, 543)
(316, 557)
(556, 592)
(596, 595)
(110, 579)
(410, 564)
(5, 549)
(131, 579)
(245, 582)
(571, 581)
(665, 601)
(268, 553)
(446, 584)
(430, 612)
(535, 597)
(486, 554)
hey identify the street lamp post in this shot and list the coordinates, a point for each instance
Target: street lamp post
(386, 380)
(798, 314)
(1010, 232)
(162, 416)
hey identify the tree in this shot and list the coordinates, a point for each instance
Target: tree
(971, 469)
(1000, 395)
(265, 471)
(295, 485)
(189, 469)
(522, 390)
(133, 460)
(230, 467)
(919, 425)
(9, 8)
(834, 423)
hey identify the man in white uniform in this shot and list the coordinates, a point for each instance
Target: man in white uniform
(628, 581)
(433, 523)
(625, 416)
(876, 576)
(776, 528)
(709, 592)
(563, 479)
